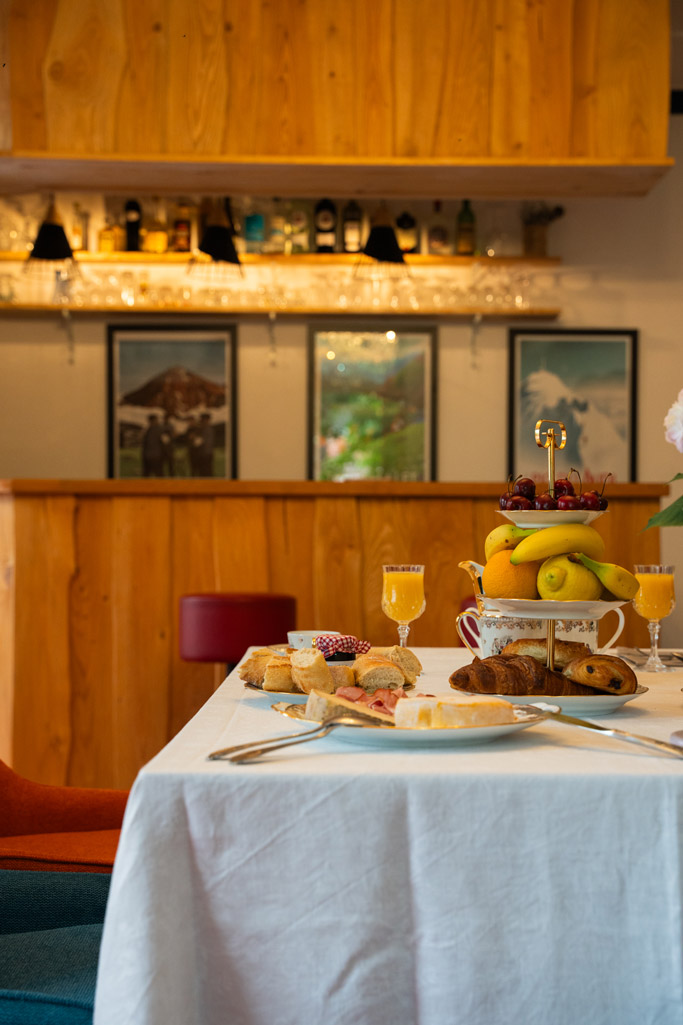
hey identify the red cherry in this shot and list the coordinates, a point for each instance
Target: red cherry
(567, 502)
(563, 486)
(545, 501)
(590, 500)
(519, 502)
(525, 486)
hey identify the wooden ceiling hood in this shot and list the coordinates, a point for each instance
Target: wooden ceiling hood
(415, 98)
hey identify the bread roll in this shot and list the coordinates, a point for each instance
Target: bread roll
(537, 647)
(406, 660)
(310, 670)
(512, 675)
(452, 710)
(321, 706)
(278, 675)
(342, 676)
(253, 668)
(373, 672)
(603, 672)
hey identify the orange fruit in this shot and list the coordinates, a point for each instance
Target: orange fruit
(501, 579)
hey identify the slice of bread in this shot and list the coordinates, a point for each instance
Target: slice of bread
(342, 676)
(278, 676)
(404, 658)
(310, 670)
(321, 706)
(424, 711)
(253, 668)
(374, 671)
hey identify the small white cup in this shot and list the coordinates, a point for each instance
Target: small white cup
(304, 638)
(497, 631)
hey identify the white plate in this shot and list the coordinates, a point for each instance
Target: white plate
(576, 704)
(549, 517)
(389, 736)
(536, 608)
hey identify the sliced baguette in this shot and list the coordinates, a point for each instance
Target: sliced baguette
(321, 706)
(310, 670)
(278, 676)
(374, 671)
(253, 668)
(406, 660)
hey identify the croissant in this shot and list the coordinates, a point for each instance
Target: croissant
(515, 675)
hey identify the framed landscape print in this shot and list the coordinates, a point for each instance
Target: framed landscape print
(171, 401)
(371, 403)
(585, 379)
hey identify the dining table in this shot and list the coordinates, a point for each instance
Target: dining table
(521, 877)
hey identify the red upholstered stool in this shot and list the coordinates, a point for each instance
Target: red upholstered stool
(220, 627)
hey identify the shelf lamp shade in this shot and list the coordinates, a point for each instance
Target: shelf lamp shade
(382, 244)
(217, 241)
(51, 242)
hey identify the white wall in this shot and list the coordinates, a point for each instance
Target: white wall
(622, 267)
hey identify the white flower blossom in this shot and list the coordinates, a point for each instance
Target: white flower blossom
(673, 422)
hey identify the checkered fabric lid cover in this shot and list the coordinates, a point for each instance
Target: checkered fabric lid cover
(331, 643)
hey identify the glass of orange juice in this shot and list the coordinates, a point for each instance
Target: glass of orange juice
(653, 601)
(403, 596)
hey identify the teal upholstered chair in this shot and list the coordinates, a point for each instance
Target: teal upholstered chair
(50, 932)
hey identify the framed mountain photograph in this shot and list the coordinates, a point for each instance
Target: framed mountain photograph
(586, 379)
(372, 403)
(171, 401)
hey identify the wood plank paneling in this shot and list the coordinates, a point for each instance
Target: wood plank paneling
(45, 567)
(305, 79)
(91, 757)
(141, 636)
(94, 570)
(82, 75)
(7, 653)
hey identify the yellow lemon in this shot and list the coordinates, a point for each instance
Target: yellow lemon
(565, 578)
(500, 579)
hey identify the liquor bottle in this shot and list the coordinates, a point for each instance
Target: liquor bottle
(439, 234)
(352, 218)
(76, 235)
(465, 230)
(234, 214)
(119, 236)
(325, 226)
(299, 233)
(408, 234)
(156, 237)
(182, 229)
(132, 215)
(254, 229)
(277, 227)
(105, 238)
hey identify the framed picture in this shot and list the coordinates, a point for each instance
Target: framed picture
(372, 399)
(586, 380)
(171, 401)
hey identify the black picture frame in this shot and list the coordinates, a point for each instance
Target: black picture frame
(184, 375)
(585, 378)
(402, 430)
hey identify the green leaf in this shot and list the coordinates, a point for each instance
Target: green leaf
(672, 516)
(679, 476)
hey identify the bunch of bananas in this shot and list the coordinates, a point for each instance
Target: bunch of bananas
(569, 555)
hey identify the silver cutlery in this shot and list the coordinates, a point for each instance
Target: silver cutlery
(554, 712)
(244, 752)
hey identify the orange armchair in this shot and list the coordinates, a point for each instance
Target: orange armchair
(59, 828)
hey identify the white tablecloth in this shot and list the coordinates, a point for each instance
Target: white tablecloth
(536, 880)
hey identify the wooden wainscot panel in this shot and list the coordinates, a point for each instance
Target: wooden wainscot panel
(92, 758)
(45, 560)
(141, 613)
(7, 650)
(336, 560)
(290, 530)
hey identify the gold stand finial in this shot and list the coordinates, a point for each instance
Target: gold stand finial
(551, 444)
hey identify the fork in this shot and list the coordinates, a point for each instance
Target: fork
(254, 749)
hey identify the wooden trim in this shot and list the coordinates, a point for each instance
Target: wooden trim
(381, 178)
(549, 313)
(296, 488)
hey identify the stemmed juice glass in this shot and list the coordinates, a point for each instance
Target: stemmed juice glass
(403, 596)
(654, 600)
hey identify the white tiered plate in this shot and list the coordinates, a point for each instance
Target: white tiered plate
(579, 704)
(389, 736)
(549, 517)
(539, 609)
